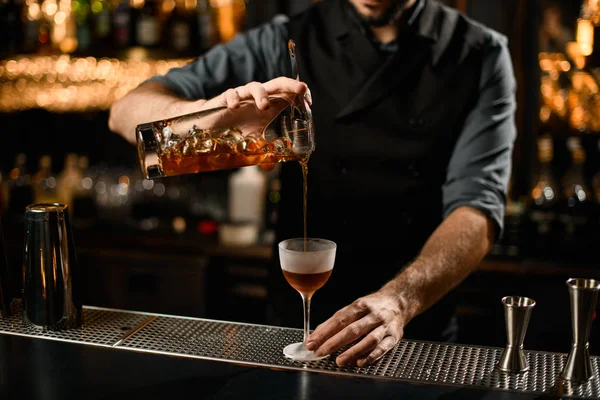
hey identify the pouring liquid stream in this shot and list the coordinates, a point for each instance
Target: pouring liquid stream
(304, 162)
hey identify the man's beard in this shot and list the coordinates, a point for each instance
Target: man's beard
(387, 17)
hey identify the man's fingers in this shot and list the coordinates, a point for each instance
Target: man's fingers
(383, 347)
(327, 329)
(232, 98)
(256, 91)
(260, 92)
(362, 348)
(332, 326)
(285, 85)
(308, 96)
(348, 335)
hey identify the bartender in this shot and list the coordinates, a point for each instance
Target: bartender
(413, 106)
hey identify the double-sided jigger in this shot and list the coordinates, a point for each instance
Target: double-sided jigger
(517, 311)
(583, 294)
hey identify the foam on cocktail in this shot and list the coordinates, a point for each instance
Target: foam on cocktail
(319, 257)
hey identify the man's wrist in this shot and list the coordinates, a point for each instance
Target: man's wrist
(179, 107)
(404, 291)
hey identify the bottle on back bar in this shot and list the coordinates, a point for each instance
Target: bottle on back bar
(207, 32)
(83, 18)
(180, 28)
(20, 192)
(544, 200)
(101, 23)
(44, 182)
(147, 30)
(84, 209)
(5, 281)
(576, 207)
(11, 27)
(68, 179)
(121, 20)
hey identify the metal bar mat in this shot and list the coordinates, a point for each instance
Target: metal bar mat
(101, 327)
(260, 345)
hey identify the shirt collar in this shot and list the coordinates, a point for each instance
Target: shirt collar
(413, 12)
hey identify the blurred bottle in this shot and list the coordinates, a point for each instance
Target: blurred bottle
(83, 18)
(147, 29)
(10, 27)
(44, 39)
(180, 28)
(577, 203)
(247, 193)
(84, 211)
(101, 23)
(44, 182)
(595, 181)
(68, 179)
(121, 20)
(3, 194)
(207, 32)
(31, 17)
(596, 176)
(247, 196)
(20, 192)
(5, 281)
(272, 209)
(543, 204)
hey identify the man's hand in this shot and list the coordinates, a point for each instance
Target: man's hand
(449, 255)
(259, 92)
(153, 101)
(377, 318)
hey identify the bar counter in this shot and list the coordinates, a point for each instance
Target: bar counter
(127, 354)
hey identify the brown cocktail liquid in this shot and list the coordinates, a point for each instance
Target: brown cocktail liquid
(304, 165)
(201, 152)
(307, 284)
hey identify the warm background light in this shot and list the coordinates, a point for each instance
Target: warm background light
(585, 36)
(578, 104)
(64, 83)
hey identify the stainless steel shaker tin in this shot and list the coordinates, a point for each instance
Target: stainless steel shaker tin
(51, 297)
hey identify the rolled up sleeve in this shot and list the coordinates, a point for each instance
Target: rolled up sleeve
(259, 55)
(480, 166)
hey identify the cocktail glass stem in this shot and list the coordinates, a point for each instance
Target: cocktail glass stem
(306, 307)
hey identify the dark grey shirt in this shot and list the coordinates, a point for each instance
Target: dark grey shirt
(480, 166)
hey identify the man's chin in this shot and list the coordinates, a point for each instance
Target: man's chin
(375, 19)
(383, 17)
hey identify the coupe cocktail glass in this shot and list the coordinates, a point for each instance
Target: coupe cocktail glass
(306, 264)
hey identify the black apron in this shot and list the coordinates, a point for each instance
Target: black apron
(385, 128)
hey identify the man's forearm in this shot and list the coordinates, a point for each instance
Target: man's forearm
(450, 254)
(149, 102)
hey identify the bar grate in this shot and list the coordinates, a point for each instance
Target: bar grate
(410, 361)
(260, 345)
(101, 327)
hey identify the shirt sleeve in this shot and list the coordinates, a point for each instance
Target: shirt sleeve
(480, 166)
(260, 54)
